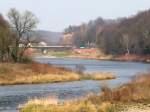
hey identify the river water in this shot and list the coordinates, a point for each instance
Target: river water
(11, 97)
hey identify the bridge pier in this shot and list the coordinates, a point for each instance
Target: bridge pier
(44, 51)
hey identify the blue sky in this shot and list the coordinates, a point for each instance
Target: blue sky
(55, 15)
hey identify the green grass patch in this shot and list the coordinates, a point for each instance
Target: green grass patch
(60, 53)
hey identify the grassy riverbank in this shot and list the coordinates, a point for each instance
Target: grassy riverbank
(33, 73)
(94, 53)
(131, 97)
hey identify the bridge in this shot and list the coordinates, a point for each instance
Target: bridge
(44, 49)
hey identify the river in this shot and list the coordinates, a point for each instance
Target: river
(14, 95)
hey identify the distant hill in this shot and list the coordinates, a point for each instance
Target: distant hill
(51, 38)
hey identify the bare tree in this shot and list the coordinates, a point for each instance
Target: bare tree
(126, 42)
(5, 40)
(22, 25)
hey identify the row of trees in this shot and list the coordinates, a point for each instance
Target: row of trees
(87, 33)
(15, 35)
(131, 35)
(124, 35)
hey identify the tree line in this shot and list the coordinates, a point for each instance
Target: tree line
(15, 34)
(121, 36)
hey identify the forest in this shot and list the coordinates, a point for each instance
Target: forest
(128, 35)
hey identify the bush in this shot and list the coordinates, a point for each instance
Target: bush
(4, 70)
(79, 68)
(26, 59)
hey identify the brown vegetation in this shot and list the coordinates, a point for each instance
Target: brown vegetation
(100, 76)
(90, 53)
(50, 105)
(129, 97)
(18, 73)
(135, 91)
(11, 73)
(133, 57)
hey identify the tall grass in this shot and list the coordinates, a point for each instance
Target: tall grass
(19, 73)
(50, 105)
(137, 90)
(110, 100)
(100, 76)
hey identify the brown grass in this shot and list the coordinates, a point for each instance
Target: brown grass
(11, 73)
(101, 76)
(133, 57)
(51, 105)
(121, 99)
(44, 101)
(137, 90)
(32, 73)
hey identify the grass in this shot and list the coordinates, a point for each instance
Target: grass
(97, 54)
(60, 53)
(70, 106)
(133, 96)
(33, 73)
(11, 73)
(100, 76)
(137, 90)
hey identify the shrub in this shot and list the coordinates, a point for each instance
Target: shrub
(26, 59)
(79, 68)
(4, 70)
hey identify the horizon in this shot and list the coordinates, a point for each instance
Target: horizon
(53, 15)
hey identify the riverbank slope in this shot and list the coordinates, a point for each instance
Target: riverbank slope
(94, 53)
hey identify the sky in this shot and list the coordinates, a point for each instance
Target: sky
(55, 15)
